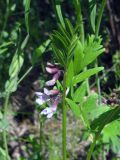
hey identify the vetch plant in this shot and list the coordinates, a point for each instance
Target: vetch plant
(51, 97)
(75, 52)
(65, 43)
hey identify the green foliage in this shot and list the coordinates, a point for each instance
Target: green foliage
(70, 74)
(63, 43)
(80, 93)
(74, 107)
(3, 155)
(86, 74)
(16, 64)
(92, 49)
(74, 51)
(78, 56)
(58, 12)
(92, 7)
(39, 51)
(99, 119)
(111, 134)
(27, 10)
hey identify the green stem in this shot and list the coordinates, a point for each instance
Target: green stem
(4, 131)
(26, 73)
(92, 148)
(40, 136)
(97, 28)
(64, 119)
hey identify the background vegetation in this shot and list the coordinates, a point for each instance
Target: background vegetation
(29, 136)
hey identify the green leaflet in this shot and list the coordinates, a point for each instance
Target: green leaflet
(4, 124)
(11, 85)
(86, 74)
(59, 13)
(80, 93)
(16, 64)
(78, 56)
(78, 112)
(59, 55)
(3, 155)
(39, 51)
(27, 8)
(69, 27)
(70, 74)
(4, 47)
(3, 50)
(105, 118)
(24, 43)
(72, 46)
(92, 7)
(74, 107)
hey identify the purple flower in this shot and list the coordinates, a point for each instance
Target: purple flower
(51, 92)
(54, 79)
(52, 69)
(50, 97)
(41, 98)
(49, 111)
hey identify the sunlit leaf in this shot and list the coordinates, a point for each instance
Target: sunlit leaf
(39, 51)
(70, 74)
(78, 56)
(92, 49)
(74, 107)
(80, 93)
(92, 7)
(86, 74)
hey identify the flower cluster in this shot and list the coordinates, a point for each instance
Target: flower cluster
(51, 97)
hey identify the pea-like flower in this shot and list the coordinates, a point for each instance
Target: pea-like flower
(45, 96)
(55, 71)
(51, 97)
(49, 111)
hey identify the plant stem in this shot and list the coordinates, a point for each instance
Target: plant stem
(4, 131)
(92, 148)
(97, 28)
(40, 132)
(64, 119)
(26, 73)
